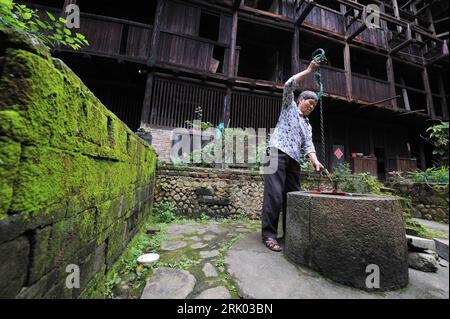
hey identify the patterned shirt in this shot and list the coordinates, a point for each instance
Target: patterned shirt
(293, 130)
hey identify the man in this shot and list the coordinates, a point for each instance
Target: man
(292, 132)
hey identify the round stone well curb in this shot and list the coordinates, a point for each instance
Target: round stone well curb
(349, 238)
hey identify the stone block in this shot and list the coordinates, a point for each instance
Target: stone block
(13, 266)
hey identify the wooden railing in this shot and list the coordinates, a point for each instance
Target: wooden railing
(365, 165)
(252, 110)
(370, 89)
(116, 37)
(402, 164)
(174, 102)
(324, 18)
(333, 79)
(377, 37)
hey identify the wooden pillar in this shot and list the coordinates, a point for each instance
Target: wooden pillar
(396, 13)
(413, 8)
(154, 40)
(296, 51)
(426, 84)
(405, 95)
(232, 60)
(227, 108)
(347, 63)
(423, 160)
(145, 113)
(348, 71)
(443, 98)
(430, 19)
(391, 80)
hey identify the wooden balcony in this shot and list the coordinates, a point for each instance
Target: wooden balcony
(193, 52)
(333, 79)
(367, 89)
(324, 19)
(402, 164)
(116, 37)
(364, 165)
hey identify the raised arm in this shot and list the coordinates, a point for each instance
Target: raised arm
(292, 84)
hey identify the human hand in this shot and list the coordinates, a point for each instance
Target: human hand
(313, 66)
(318, 166)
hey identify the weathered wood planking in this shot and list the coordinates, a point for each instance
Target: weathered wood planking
(252, 110)
(103, 36)
(174, 102)
(370, 89)
(325, 19)
(181, 18)
(401, 164)
(333, 80)
(138, 44)
(180, 50)
(375, 37)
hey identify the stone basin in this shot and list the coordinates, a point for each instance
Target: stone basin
(342, 236)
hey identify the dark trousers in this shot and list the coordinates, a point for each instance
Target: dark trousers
(276, 186)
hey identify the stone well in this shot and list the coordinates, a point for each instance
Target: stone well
(341, 236)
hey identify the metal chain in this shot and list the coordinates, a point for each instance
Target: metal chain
(319, 56)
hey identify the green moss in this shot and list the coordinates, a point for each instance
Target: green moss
(60, 147)
(9, 162)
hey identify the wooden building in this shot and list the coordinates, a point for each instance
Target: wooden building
(154, 62)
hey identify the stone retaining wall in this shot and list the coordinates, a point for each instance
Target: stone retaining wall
(428, 201)
(215, 192)
(75, 183)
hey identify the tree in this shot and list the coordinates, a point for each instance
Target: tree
(51, 31)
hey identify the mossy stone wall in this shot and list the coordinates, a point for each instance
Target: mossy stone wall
(75, 182)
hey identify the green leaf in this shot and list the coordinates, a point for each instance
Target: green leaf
(51, 16)
(80, 36)
(67, 31)
(62, 20)
(26, 16)
(41, 24)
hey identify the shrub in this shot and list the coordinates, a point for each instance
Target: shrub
(430, 175)
(362, 183)
(439, 139)
(164, 212)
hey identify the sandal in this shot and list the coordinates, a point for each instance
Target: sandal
(272, 244)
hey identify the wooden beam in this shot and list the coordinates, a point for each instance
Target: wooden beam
(407, 4)
(236, 4)
(405, 95)
(145, 113)
(405, 43)
(426, 84)
(156, 33)
(232, 61)
(227, 108)
(444, 101)
(348, 71)
(310, 5)
(391, 80)
(296, 51)
(361, 28)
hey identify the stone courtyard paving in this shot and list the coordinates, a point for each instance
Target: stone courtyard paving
(227, 260)
(191, 263)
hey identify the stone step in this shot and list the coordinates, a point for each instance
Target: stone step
(442, 247)
(420, 243)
